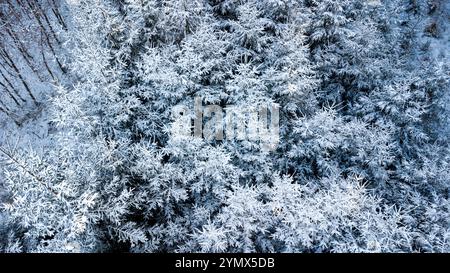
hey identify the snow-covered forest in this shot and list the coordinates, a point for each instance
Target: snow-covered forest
(96, 155)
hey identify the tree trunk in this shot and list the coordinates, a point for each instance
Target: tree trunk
(25, 84)
(12, 87)
(10, 94)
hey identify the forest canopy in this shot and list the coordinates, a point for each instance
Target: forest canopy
(112, 116)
